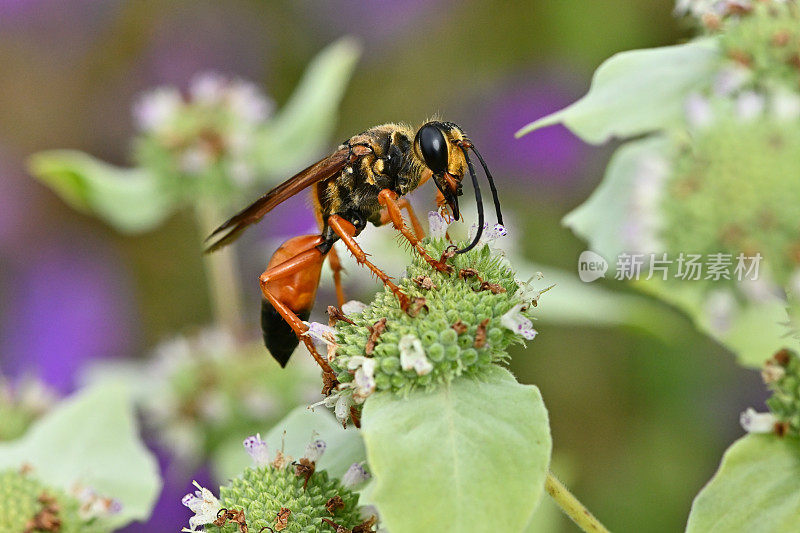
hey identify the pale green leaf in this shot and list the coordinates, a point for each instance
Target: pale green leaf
(574, 302)
(637, 92)
(302, 128)
(91, 439)
(129, 199)
(757, 488)
(469, 456)
(301, 426)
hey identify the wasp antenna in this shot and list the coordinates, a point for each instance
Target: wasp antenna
(491, 184)
(478, 200)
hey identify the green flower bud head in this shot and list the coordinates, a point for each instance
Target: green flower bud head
(27, 504)
(210, 133)
(458, 323)
(733, 191)
(781, 373)
(282, 494)
(766, 41)
(207, 388)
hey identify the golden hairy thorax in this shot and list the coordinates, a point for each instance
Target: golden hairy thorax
(394, 163)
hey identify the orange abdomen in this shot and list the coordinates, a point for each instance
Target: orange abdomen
(297, 291)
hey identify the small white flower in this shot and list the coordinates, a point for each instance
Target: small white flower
(412, 355)
(700, 8)
(644, 220)
(342, 407)
(92, 505)
(772, 372)
(207, 88)
(355, 475)
(248, 102)
(750, 105)
(518, 323)
(353, 307)
(257, 449)
(213, 408)
(785, 105)
(259, 404)
(730, 79)
(34, 396)
(157, 108)
(321, 332)
(203, 504)
(754, 422)
(364, 378)
(490, 234)
(315, 449)
(698, 111)
(437, 225)
(527, 292)
(195, 159)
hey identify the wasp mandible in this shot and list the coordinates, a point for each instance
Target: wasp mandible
(364, 180)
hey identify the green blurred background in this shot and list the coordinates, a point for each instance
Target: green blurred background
(639, 422)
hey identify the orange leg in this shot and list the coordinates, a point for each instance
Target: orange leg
(403, 203)
(345, 230)
(279, 294)
(388, 199)
(336, 267)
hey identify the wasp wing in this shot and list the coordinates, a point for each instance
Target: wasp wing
(324, 169)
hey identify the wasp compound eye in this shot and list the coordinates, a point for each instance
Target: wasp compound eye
(433, 146)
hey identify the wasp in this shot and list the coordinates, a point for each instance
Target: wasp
(364, 181)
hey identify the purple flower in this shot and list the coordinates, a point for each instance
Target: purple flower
(257, 449)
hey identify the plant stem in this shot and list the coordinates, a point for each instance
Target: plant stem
(572, 507)
(222, 273)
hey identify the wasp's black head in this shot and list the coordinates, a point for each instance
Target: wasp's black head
(443, 146)
(434, 144)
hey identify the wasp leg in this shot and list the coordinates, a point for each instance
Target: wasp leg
(345, 230)
(337, 268)
(403, 203)
(306, 260)
(388, 199)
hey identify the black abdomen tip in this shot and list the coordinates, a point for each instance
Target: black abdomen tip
(279, 338)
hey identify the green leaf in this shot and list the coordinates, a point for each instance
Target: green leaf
(470, 456)
(129, 199)
(637, 92)
(92, 439)
(301, 425)
(302, 128)
(757, 488)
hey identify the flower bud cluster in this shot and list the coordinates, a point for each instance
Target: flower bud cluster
(205, 389)
(458, 323)
(281, 494)
(27, 504)
(781, 373)
(207, 132)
